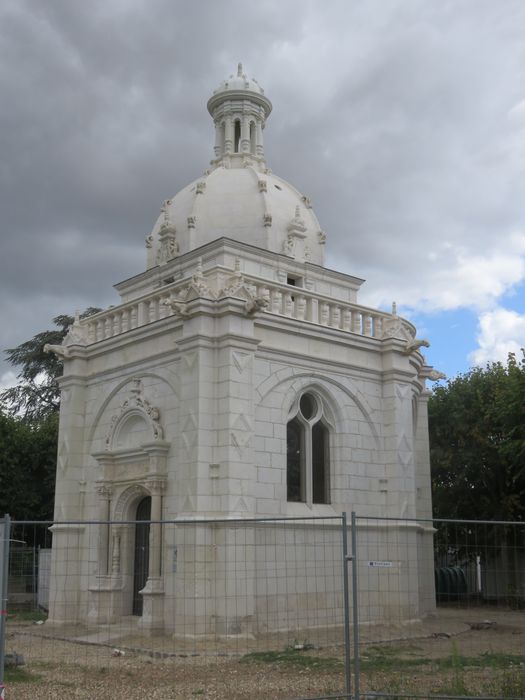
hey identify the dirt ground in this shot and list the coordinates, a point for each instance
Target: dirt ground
(478, 651)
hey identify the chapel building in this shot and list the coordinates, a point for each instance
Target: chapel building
(237, 378)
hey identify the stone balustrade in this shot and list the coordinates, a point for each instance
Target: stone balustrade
(282, 300)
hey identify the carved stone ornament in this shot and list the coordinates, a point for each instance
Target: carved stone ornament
(192, 220)
(321, 235)
(199, 284)
(396, 327)
(297, 226)
(168, 246)
(233, 283)
(263, 186)
(201, 186)
(307, 201)
(256, 304)
(178, 307)
(59, 350)
(149, 241)
(136, 401)
(76, 333)
(432, 374)
(267, 220)
(104, 491)
(415, 345)
(289, 245)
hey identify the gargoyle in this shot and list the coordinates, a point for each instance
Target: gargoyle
(434, 375)
(178, 307)
(415, 345)
(255, 304)
(60, 350)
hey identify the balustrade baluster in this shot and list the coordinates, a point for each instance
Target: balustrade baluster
(356, 322)
(288, 304)
(347, 319)
(125, 320)
(300, 308)
(276, 301)
(152, 310)
(133, 316)
(335, 320)
(324, 314)
(367, 324)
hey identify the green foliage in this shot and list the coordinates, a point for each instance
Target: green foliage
(477, 444)
(294, 658)
(27, 467)
(37, 395)
(29, 426)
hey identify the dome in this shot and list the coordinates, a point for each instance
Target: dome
(239, 197)
(262, 210)
(239, 82)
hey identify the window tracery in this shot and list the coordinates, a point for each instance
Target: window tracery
(308, 452)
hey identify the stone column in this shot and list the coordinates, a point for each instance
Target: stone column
(259, 148)
(228, 135)
(104, 493)
(218, 140)
(152, 619)
(115, 551)
(245, 134)
(155, 533)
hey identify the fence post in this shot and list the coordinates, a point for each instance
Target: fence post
(355, 604)
(346, 595)
(5, 534)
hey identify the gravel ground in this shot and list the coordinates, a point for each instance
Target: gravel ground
(62, 669)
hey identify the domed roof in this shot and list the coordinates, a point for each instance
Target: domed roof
(238, 197)
(239, 82)
(260, 209)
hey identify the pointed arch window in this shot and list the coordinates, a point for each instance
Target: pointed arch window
(308, 452)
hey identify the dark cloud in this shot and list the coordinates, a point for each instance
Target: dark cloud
(393, 117)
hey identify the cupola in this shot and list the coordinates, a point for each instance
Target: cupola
(239, 109)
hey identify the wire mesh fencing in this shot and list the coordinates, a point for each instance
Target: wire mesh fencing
(209, 608)
(283, 608)
(452, 598)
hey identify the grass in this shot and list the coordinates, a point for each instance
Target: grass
(294, 658)
(26, 615)
(20, 675)
(457, 673)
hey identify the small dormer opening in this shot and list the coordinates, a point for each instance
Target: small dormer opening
(294, 281)
(252, 138)
(236, 136)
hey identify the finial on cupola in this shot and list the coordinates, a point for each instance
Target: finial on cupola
(239, 70)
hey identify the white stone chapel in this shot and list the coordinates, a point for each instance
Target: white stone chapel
(237, 378)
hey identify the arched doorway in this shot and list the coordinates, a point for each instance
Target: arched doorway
(141, 554)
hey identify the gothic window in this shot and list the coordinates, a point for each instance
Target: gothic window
(308, 452)
(252, 138)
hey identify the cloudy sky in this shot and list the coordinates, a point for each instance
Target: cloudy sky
(404, 120)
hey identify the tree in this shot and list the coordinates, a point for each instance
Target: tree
(27, 467)
(477, 443)
(37, 396)
(29, 426)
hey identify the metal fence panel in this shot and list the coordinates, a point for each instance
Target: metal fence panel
(256, 608)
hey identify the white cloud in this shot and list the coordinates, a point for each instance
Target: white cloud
(500, 331)
(7, 380)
